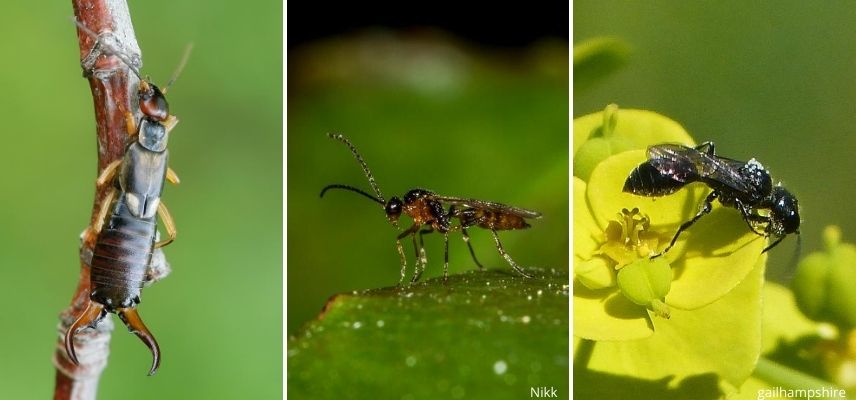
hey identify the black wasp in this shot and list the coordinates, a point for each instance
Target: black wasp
(426, 209)
(745, 186)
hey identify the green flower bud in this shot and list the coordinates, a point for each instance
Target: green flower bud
(601, 144)
(646, 282)
(824, 281)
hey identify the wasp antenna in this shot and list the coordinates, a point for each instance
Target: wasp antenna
(359, 158)
(180, 67)
(353, 189)
(109, 47)
(89, 316)
(132, 320)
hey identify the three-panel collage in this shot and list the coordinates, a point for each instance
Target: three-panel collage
(589, 199)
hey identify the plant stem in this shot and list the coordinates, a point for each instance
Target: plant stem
(112, 88)
(787, 378)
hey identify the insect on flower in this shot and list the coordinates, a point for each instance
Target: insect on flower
(746, 186)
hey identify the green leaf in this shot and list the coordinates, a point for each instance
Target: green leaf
(485, 334)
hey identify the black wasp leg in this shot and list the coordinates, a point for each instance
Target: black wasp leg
(705, 209)
(413, 228)
(706, 147)
(508, 257)
(470, 246)
(750, 217)
(420, 254)
(774, 244)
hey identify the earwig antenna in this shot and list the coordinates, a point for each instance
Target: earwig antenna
(109, 48)
(180, 67)
(366, 170)
(351, 188)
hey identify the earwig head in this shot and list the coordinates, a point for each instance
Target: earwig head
(393, 209)
(784, 213)
(153, 103)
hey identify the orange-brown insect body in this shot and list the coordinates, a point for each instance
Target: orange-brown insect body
(489, 219)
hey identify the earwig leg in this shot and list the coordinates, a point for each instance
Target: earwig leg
(705, 209)
(170, 122)
(136, 326)
(108, 173)
(508, 257)
(90, 316)
(445, 256)
(470, 246)
(93, 231)
(130, 123)
(172, 177)
(168, 223)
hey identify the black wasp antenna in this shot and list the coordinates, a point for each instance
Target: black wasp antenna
(366, 170)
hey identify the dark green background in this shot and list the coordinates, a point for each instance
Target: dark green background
(425, 110)
(770, 80)
(218, 316)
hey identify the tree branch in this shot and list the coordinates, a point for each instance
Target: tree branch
(113, 92)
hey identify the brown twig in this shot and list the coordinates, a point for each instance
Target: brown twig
(113, 88)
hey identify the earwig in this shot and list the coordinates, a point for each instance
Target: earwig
(125, 230)
(426, 209)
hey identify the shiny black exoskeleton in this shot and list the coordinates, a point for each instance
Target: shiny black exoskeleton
(745, 186)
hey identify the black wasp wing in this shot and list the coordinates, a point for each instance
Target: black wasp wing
(489, 205)
(686, 164)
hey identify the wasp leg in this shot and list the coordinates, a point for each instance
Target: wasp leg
(172, 177)
(93, 313)
(92, 231)
(168, 223)
(420, 254)
(445, 256)
(706, 147)
(749, 217)
(506, 256)
(774, 244)
(136, 326)
(108, 173)
(410, 231)
(705, 209)
(470, 246)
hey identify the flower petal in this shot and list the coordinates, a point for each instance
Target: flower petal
(639, 128)
(606, 314)
(723, 338)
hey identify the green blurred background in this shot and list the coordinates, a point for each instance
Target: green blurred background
(218, 316)
(428, 109)
(770, 80)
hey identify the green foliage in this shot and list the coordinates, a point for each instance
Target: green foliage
(596, 58)
(490, 334)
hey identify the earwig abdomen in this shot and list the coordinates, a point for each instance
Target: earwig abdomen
(122, 253)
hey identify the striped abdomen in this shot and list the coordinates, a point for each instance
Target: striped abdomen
(122, 253)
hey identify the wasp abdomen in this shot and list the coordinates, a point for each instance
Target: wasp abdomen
(487, 219)
(647, 180)
(122, 254)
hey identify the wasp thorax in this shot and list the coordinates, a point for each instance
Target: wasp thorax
(393, 209)
(629, 237)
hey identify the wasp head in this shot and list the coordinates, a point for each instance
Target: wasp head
(784, 213)
(393, 209)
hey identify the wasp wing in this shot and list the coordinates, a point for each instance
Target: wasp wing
(489, 205)
(686, 164)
